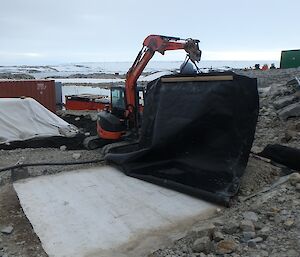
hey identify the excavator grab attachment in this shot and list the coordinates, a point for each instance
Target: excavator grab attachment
(196, 134)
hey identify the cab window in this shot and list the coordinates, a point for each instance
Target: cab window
(117, 98)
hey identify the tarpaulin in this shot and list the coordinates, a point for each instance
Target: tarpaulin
(196, 134)
(24, 119)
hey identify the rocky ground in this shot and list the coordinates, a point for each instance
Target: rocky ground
(264, 221)
(8, 75)
(17, 238)
(267, 224)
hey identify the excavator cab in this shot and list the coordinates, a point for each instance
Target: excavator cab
(112, 125)
(118, 101)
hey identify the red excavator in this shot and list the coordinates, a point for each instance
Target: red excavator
(195, 132)
(124, 118)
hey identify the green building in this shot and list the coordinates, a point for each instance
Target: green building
(290, 59)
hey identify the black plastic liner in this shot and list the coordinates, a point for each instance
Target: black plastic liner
(72, 143)
(196, 135)
(285, 155)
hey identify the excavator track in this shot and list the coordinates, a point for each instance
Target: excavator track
(94, 142)
(107, 148)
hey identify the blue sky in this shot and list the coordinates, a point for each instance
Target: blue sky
(62, 31)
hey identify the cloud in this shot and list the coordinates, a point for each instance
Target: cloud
(53, 31)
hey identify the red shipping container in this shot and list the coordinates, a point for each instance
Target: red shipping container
(42, 91)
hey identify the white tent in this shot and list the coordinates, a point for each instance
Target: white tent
(22, 119)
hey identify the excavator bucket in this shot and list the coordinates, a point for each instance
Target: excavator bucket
(196, 134)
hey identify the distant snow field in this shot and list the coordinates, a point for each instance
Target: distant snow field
(64, 70)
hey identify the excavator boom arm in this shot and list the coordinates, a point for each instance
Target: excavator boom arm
(152, 44)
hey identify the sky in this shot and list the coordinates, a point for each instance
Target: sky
(41, 32)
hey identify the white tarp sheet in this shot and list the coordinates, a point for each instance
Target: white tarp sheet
(22, 119)
(101, 212)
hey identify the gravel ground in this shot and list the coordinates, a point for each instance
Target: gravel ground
(52, 155)
(271, 229)
(267, 224)
(22, 241)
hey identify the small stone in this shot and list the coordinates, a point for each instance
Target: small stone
(218, 236)
(226, 246)
(263, 246)
(258, 225)
(77, 118)
(231, 227)
(248, 235)
(274, 210)
(294, 178)
(202, 245)
(284, 101)
(218, 210)
(298, 187)
(63, 148)
(256, 149)
(94, 118)
(277, 219)
(264, 232)
(288, 136)
(7, 230)
(253, 242)
(250, 215)
(87, 134)
(76, 156)
(203, 230)
(284, 212)
(292, 110)
(296, 202)
(264, 253)
(292, 253)
(247, 226)
(288, 224)
(218, 223)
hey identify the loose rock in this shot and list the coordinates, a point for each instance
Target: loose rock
(63, 148)
(247, 226)
(264, 232)
(202, 245)
(7, 230)
(248, 236)
(288, 224)
(250, 215)
(253, 242)
(231, 227)
(226, 246)
(218, 236)
(292, 110)
(76, 156)
(205, 230)
(294, 178)
(284, 101)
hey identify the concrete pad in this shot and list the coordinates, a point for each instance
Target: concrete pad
(102, 212)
